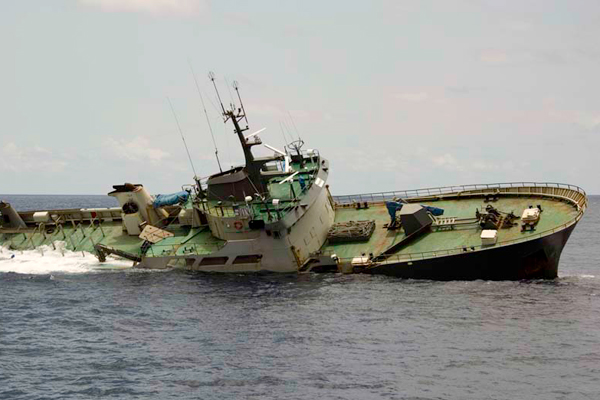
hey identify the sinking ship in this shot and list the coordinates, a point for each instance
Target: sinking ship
(277, 214)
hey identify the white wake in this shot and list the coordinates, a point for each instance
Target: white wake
(46, 259)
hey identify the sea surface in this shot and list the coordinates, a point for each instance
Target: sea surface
(69, 330)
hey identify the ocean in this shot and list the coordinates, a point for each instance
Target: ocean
(71, 331)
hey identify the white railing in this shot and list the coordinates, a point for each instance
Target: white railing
(449, 190)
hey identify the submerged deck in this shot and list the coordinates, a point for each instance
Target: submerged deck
(84, 237)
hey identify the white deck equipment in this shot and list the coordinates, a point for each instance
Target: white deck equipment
(489, 237)
(530, 215)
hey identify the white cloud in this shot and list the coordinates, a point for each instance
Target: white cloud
(11, 150)
(527, 56)
(586, 120)
(138, 149)
(447, 161)
(271, 110)
(371, 158)
(519, 26)
(153, 7)
(493, 56)
(18, 159)
(267, 110)
(415, 97)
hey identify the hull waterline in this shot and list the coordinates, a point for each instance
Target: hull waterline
(534, 259)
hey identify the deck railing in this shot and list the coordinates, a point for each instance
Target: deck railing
(243, 210)
(546, 188)
(571, 193)
(227, 209)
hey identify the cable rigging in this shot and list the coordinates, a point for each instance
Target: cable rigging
(207, 119)
(183, 138)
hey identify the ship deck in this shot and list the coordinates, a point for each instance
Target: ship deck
(561, 205)
(559, 211)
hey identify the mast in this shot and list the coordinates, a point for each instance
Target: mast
(236, 115)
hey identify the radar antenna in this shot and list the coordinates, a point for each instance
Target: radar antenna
(236, 115)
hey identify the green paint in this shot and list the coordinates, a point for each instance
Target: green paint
(555, 214)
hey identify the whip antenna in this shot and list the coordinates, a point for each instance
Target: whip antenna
(207, 119)
(232, 104)
(211, 76)
(294, 125)
(183, 138)
(236, 86)
(283, 134)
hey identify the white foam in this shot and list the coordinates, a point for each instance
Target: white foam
(45, 259)
(579, 276)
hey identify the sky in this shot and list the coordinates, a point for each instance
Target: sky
(395, 94)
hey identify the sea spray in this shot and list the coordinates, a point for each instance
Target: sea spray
(55, 259)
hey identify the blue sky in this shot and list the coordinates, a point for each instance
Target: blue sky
(396, 94)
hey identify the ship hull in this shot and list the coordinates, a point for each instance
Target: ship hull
(534, 259)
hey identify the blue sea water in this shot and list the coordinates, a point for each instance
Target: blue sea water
(71, 331)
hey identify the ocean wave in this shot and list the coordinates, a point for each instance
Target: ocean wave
(48, 259)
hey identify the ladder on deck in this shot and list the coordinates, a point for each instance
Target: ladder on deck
(444, 223)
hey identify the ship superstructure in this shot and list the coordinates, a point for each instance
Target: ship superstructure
(269, 214)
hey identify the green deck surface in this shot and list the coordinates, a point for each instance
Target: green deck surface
(185, 241)
(555, 214)
(81, 239)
